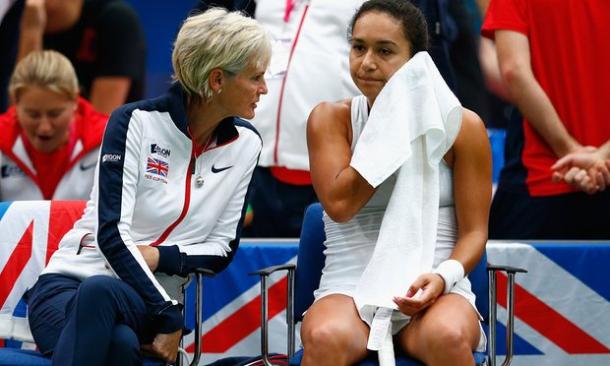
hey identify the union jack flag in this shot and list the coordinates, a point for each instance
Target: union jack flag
(157, 167)
(232, 316)
(562, 314)
(30, 232)
(562, 305)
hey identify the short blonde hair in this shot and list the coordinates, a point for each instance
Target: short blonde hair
(217, 39)
(46, 69)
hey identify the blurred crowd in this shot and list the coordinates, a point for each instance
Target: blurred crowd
(535, 71)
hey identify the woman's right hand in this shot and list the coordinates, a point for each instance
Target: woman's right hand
(164, 346)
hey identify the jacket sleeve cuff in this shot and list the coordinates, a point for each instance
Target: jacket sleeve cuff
(169, 319)
(170, 260)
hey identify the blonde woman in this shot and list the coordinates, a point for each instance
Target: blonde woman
(51, 137)
(169, 197)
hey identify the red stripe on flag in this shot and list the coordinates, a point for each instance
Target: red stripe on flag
(62, 216)
(244, 321)
(17, 261)
(549, 322)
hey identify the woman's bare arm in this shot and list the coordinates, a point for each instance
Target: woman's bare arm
(341, 189)
(472, 189)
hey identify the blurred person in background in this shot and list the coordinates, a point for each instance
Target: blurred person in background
(309, 65)
(103, 39)
(50, 138)
(554, 72)
(10, 15)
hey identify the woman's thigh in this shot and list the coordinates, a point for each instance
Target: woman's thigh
(334, 321)
(451, 315)
(48, 303)
(115, 301)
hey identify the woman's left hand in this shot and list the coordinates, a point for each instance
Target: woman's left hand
(164, 346)
(423, 292)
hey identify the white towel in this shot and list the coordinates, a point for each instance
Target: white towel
(413, 123)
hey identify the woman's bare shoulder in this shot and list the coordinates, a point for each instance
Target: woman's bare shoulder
(472, 128)
(472, 135)
(330, 116)
(323, 110)
(471, 120)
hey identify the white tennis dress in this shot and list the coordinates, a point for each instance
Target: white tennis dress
(350, 245)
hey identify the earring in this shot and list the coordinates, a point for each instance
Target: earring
(219, 90)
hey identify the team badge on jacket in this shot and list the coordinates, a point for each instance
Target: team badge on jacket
(156, 169)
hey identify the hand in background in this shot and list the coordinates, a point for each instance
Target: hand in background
(164, 346)
(423, 292)
(587, 169)
(34, 18)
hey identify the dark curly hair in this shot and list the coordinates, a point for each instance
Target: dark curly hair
(413, 21)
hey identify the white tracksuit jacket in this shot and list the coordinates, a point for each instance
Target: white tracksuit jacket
(146, 192)
(17, 185)
(314, 39)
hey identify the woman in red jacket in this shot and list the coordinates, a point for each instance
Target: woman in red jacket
(50, 137)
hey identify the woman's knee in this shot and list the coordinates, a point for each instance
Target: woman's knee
(327, 336)
(331, 343)
(96, 286)
(446, 337)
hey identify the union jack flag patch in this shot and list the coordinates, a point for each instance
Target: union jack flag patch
(157, 167)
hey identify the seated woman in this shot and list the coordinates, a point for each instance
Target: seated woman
(443, 329)
(169, 197)
(51, 137)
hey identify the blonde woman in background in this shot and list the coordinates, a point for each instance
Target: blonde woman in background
(51, 137)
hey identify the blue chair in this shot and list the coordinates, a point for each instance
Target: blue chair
(21, 357)
(304, 279)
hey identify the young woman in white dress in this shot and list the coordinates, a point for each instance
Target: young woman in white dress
(444, 328)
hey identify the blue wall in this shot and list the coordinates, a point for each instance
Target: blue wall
(161, 20)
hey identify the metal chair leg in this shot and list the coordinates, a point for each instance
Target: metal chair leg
(198, 310)
(199, 274)
(264, 325)
(492, 316)
(510, 323)
(510, 300)
(264, 273)
(290, 313)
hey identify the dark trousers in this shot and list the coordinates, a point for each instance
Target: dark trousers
(99, 321)
(278, 207)
(572, 216)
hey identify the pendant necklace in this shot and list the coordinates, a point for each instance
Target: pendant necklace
(198, 178)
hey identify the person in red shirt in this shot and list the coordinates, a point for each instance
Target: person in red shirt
(50, 138)
(552, 60)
